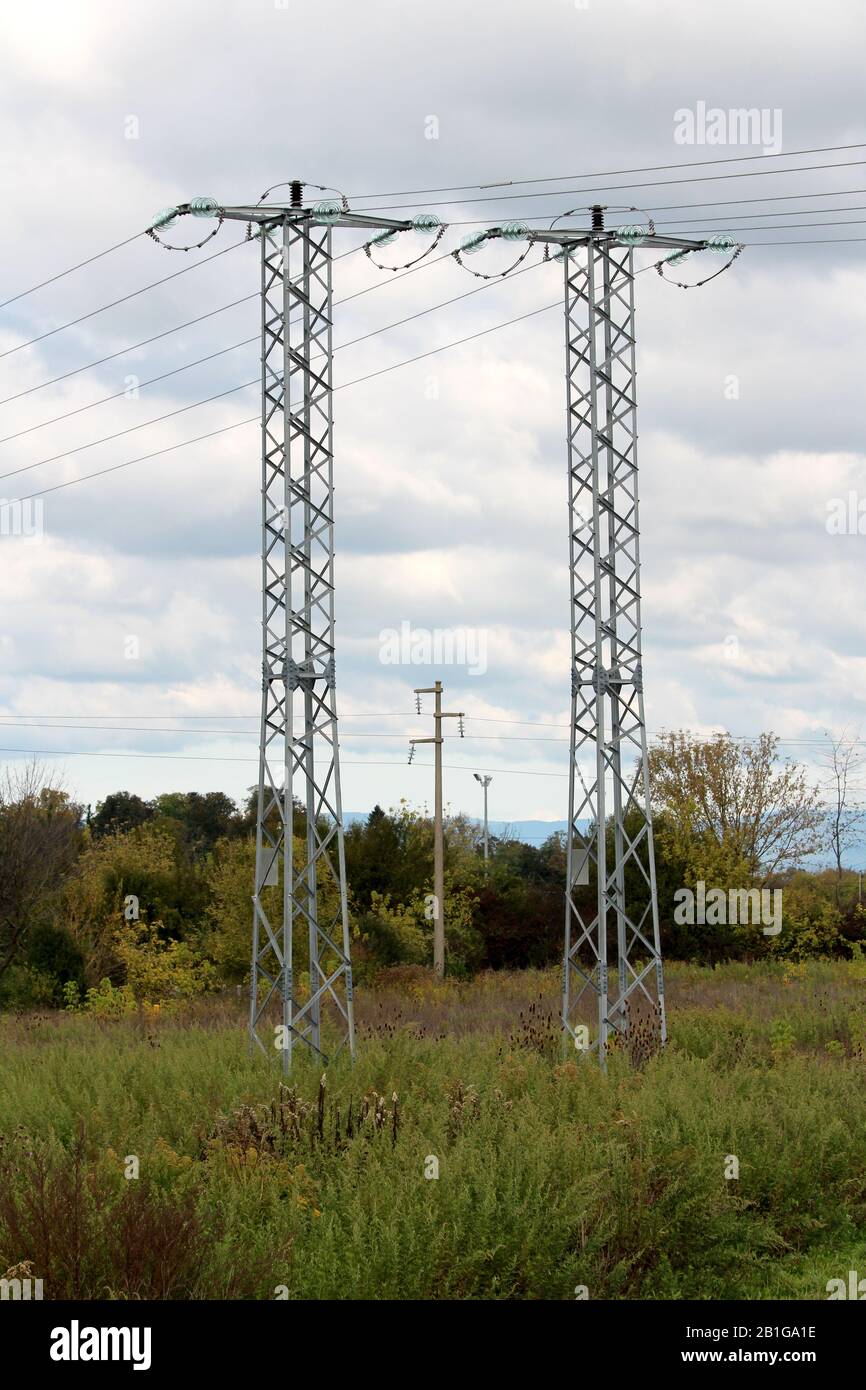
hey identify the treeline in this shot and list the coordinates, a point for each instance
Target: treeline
(150, 900)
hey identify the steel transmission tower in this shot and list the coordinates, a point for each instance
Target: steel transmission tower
(609, 820)
(299, 766)
(304, 894)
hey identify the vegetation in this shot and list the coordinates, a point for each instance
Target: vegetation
(149, 901)
(550, 1175)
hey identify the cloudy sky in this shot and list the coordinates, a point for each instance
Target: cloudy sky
(136, 603)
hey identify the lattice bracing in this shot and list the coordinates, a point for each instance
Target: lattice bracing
(299, 902)
(610, 875)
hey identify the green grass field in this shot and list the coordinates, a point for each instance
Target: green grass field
(550, 1175)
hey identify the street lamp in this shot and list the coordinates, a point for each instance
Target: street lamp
(485, 782)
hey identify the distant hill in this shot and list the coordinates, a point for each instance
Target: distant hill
(532, 832)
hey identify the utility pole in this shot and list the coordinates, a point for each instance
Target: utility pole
(485, 781)
(438, 839)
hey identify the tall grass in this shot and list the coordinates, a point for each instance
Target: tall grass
(550, 1175)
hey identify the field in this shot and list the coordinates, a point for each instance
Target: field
(550, 1175)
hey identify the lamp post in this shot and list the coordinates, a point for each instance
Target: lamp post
(485, 781)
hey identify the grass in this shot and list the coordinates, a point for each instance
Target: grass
(550, 1175)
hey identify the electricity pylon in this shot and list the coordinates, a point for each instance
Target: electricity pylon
(609, 817)
(298, 666)
(299, 766)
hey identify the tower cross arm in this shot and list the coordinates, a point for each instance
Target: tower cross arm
(579, 236)
(275, 212)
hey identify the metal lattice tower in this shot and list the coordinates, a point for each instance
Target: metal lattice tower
(609, 821)
(299, 895)
(304, 893)
(298, 648)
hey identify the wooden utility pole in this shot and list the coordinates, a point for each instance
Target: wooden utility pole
(438, 840)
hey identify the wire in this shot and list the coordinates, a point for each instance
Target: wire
(626, 187)
(807, 241)
(795, 212)
(458, 342)
(250, 761)
(255, 419)
(723, 202)
(458, 188)
(362, 733)
(225, 758)
(209, 358)
(606, 173)
(175, 371)
(253, 733)
(130, 429)
(169, 448)
(210, 314)
(767, 198)
(78, 266)
(131, 347)
(245, 385)
(123, 300)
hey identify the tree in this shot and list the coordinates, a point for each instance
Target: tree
(40, 837)
(843, 760)
(118, 880)
(229, 912)
(120, 811)
(735, 811)
(198, 819)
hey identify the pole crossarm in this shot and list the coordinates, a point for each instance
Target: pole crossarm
(300, 883)
(610, 866)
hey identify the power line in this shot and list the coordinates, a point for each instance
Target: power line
(130, 429)
(225, 758)
(132, 347)
(412, 192)
(251, 733)
(607, 173)
(256, 419)
(781, 227)
(382, 371)
(775, 212)
(808, 241)
(626, 187)
(245, 299)
(766, 198)
(351, 342)
(410, 715)
(123, 299)
(78, 266)
(140, 385)
(669, 207)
